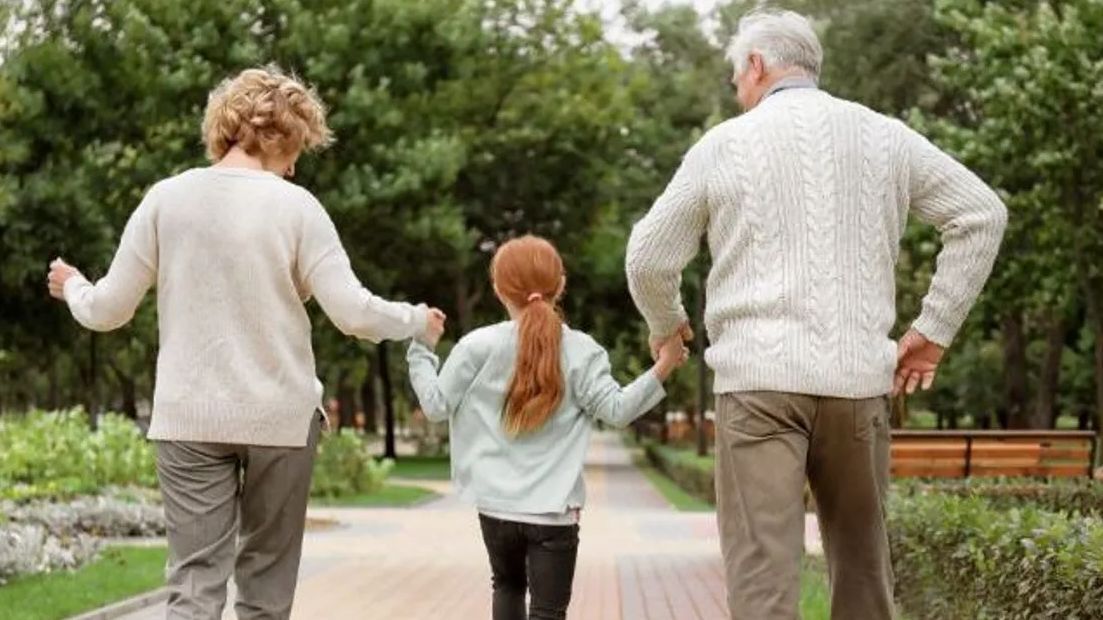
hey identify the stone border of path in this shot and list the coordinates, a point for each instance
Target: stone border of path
(117, 610)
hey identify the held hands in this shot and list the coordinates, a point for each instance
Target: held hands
(684, 333)
(60, 272)
(670, 354)
(434, 328)
(917, 362)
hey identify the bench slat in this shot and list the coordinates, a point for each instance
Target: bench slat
(1032, 470)
(940, 454)
(926, 471)
(911, 452)
(1067, 454)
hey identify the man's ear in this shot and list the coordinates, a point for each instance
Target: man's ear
(758, 66)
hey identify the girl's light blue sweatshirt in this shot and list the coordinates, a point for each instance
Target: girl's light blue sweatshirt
(538, 472)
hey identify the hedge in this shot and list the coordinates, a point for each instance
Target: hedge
(1076, 495)
(694, 474)
(963, 557)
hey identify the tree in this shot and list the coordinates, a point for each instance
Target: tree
(1022, 78)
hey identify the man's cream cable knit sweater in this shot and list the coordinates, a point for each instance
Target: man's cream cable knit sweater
(804, 200)
(234, 254)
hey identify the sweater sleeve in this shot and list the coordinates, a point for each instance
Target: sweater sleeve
(325, 272)
(111, 302)
(602, 397)
(440, 394)
(664, 242)
(970, 218)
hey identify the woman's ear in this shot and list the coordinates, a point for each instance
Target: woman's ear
(562, 286)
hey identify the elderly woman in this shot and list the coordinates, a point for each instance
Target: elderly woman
(235, 251)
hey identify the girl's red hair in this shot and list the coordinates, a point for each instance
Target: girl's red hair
(528, 274)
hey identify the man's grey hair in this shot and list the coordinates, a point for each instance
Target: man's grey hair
(784, 39)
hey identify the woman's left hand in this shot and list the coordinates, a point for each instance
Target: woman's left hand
(60, 272)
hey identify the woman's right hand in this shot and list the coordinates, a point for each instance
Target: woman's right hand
(60, 272)
(671, 353)
(434, 327)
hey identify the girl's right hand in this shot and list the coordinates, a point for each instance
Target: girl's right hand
(434, 327)
(672, 353)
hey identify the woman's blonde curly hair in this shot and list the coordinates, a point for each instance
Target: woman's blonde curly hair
(265, 112)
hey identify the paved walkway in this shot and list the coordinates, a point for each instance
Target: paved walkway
(638, 560)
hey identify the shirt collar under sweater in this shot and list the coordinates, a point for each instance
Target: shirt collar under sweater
(796, 81)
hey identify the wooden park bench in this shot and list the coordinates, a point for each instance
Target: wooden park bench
(960, 454)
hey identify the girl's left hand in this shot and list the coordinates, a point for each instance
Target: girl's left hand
(60, 272)
(434, 328)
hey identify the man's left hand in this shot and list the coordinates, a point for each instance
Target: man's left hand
(917, 361)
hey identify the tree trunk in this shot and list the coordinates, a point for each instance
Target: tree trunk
(52, 398)
(90, 379)
(1045, 404)
(1014, 356)
(463, 313)
(128, 388)
(1094, 304)
(467, 298)
(367, 401)
(1099, 374)
(346, 400)
(388, 402)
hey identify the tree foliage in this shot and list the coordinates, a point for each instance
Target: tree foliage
(461, 123)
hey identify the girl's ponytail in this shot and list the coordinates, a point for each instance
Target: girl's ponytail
(528, 274)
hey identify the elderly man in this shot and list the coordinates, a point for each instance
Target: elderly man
(804, 199)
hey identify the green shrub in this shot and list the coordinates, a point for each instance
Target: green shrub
(344, 467)
(694, 474)
(121, 455)
(59, 455)
(1068, 495)
(962, 557)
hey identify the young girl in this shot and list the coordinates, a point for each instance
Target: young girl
(521, 396)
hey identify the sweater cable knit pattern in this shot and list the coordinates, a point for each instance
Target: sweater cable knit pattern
(803, 200)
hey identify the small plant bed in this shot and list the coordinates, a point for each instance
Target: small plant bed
(422, 468)
(117, 574)
(670, 490)
(389, 496)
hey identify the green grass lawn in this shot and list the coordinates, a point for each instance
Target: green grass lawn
(422, 468)
(119, 573)
(390, 496)
(815, 597)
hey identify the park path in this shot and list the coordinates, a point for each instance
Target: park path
(639, 559)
